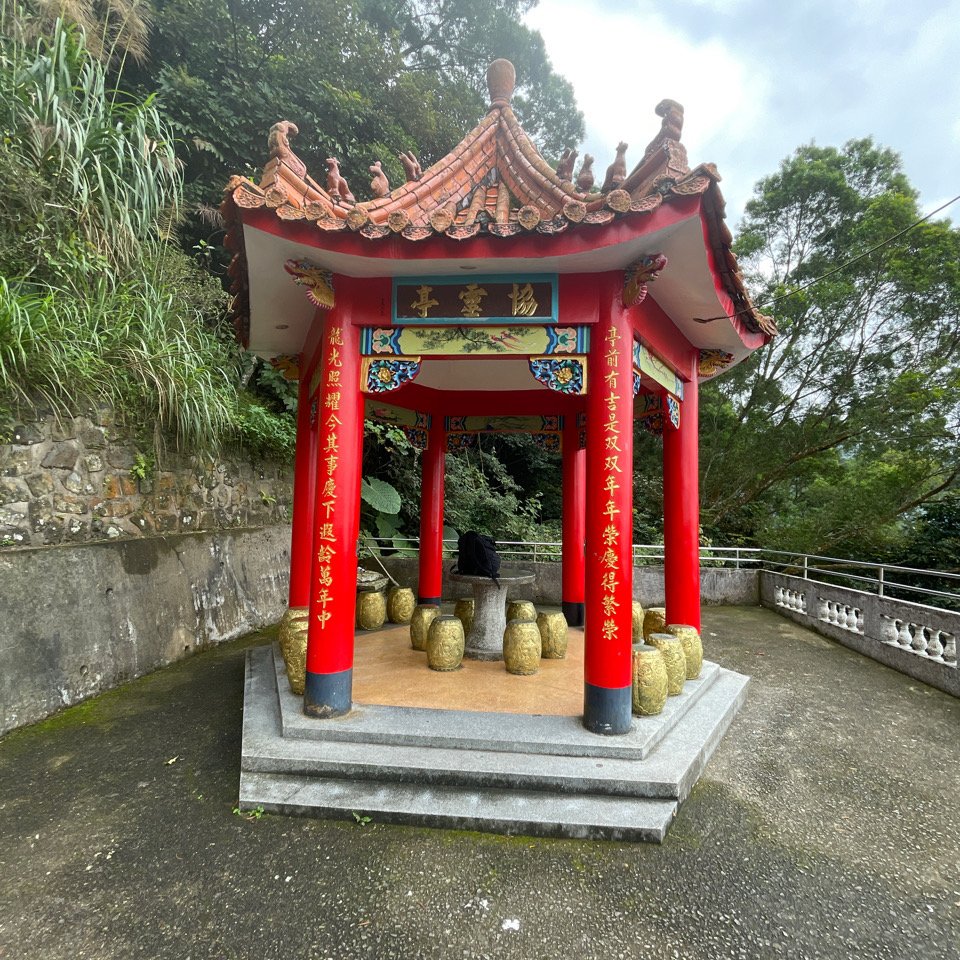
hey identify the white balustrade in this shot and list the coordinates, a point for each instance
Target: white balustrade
(790, 599)
(928, 642)
(840, 615)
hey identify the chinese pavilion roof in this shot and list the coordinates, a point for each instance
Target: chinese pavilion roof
(493, 183)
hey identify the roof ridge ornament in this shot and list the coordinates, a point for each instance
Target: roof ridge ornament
(501, 80)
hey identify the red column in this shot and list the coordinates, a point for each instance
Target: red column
(333, 587)
(304, 494)
(574, 521)
(430, 587)
(609, 528)
(681, 513)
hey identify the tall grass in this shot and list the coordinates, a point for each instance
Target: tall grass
(97, 306)
(125, 346)
(106, 161)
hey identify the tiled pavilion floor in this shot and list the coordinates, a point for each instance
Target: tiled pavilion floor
(388, 671)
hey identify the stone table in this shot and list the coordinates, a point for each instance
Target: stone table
(485, 639)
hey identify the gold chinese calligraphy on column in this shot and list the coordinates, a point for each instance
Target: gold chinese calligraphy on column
(612, 479)
(329, 459)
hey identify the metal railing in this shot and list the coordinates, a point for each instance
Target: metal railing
(880, 579)
(933, 587)
(543, 551)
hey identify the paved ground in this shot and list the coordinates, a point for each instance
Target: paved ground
(826, 826)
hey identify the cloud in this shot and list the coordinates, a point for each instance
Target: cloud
(622, 66)
(757, 79)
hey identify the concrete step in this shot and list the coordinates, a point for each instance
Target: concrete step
(668, 774)
(494, 811)
(473, 730)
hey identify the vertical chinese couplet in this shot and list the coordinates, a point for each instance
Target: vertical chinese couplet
(336, 519)
(609, 575)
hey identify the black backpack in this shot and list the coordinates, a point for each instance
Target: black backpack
(477, 556)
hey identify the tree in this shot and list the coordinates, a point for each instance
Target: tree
(848, 422)
(363, 80)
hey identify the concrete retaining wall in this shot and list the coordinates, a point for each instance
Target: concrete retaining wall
(917, 640)
(77, 620)
(717, 585)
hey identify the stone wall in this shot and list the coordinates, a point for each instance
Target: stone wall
(79, 619)
(84, 479)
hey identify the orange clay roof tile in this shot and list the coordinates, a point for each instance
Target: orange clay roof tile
(494, 181)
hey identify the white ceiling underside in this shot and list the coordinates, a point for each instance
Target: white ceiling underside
(281, 314)
(492, 373)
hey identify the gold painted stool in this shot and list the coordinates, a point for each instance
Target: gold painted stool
(371, 610)
(463, 611)
(292, 637)
(692, 647)
(521, 647)
(649, 680)
(553, 635)
(445, 643)
(654, 621)
(637, 622)
(674, 660)
(400, 604)
(423, 616)
(521, 610)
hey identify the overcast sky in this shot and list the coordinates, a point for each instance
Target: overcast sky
(757, 78)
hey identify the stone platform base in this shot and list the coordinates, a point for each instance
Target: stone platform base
(501, 773)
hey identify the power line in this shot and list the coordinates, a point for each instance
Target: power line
(830, 273)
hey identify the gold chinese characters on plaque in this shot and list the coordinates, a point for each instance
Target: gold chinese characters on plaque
(448, 300)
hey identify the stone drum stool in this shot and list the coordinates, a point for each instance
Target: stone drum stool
(293, 646)
(463, 611)
(521, 610)
(553, 635)
(649, 680)
(521, 647)
(423, 616)
(673, 659)
(654, 621)
(637, 622)
(371, 610)
(692, 647)
(445, 643)
(400, 604)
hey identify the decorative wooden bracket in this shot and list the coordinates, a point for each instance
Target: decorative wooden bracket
(567, 375)
(382, 375)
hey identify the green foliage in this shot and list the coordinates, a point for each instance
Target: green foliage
(97, 305)
(380, 495)
(261, 430)
(480, 494)
(144, 467)
(831, 437)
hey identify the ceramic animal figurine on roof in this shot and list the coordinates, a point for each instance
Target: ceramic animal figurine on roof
(585, 176)
(617, 171)
(565, 166)
(336, 185)
(379, 185)
(411, 165)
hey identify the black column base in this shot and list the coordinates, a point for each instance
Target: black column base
(607, 711)
(433, 601)
(573, 613)
(327, 695)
